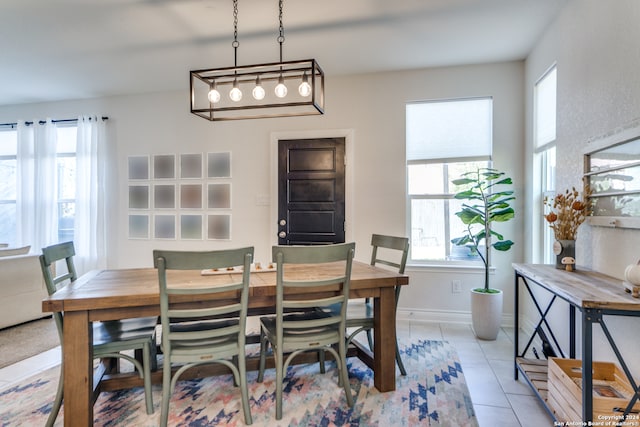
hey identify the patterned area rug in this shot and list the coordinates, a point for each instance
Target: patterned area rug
(433, 393)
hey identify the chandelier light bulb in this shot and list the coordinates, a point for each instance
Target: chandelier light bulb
(281, 89)
(258, 91)
(305, 88)
(235, 93)
(214, 95)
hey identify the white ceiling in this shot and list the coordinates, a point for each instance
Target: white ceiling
(70, 49)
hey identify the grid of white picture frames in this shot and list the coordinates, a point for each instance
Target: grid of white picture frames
(180, 196)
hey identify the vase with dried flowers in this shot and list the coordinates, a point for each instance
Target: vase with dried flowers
(566, 212)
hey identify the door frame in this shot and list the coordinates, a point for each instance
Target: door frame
(348, 135)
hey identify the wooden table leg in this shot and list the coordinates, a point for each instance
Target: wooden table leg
(78, 369)
(384, 342)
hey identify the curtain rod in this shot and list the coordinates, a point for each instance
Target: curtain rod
(53, 121)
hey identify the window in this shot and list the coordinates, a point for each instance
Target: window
(445, 139)
(544, 136)
(8, 185)
(547, 159)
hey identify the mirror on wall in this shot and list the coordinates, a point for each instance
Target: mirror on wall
(613, 176)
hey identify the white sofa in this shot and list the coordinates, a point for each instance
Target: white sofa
(22, 287)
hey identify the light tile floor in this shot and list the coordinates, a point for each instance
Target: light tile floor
(498, 399)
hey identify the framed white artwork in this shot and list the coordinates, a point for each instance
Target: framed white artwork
(190, 166)
(138, 226)
(164, 226)
(138, 197)
(191, 226)
(164, 166)
(219, 227)
(138, 167)
(164, 196)
(219, 196)
(219, 165)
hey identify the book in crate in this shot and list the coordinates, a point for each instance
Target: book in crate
(611, 390)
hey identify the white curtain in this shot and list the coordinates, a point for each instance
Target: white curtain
(89, 226)
(25, 191)
(37, 200)
(45, 179)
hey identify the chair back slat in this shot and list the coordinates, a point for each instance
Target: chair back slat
(230, 287)
(315, 302)
(210, 312)
(205, 334)
(321, 283)
(200, 260)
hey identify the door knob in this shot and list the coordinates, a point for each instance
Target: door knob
(282, 234)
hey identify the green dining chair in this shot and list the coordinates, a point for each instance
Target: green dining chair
(390, 251)
(214, 332)
(292, 333)
(110, 338)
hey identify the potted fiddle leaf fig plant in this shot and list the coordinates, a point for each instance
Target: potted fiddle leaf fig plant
(486, 202)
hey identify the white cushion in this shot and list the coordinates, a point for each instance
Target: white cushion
(15, 251)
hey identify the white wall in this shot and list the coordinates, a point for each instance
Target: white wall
(371, 107)
(595, 46)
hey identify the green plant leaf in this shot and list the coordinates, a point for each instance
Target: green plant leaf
(490, 174)
(506, 196)
(497, 235)
(468, 194)
(487, 290)
(505, 245)
(462, 181)
(469, 216)
(473, 208)
(500, 204)
(502, 216)
(504, 181)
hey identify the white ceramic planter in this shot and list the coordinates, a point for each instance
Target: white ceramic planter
(486, 314)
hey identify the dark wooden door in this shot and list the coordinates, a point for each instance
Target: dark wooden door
(311, 190)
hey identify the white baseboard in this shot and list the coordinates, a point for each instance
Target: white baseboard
(444, 316)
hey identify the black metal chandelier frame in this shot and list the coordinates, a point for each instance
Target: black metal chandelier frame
(261, 90)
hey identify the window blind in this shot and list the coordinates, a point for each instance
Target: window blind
(450, 129)
(545, 108)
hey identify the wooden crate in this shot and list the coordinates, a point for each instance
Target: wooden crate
(610, 389)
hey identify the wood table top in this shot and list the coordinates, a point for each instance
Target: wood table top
(582, 288)
(121, 288)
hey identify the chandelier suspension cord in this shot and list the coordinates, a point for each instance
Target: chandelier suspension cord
(281, 28)
(235, 43)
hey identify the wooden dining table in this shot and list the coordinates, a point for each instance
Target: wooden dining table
(127, 293)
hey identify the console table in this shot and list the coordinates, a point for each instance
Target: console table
(595, 296)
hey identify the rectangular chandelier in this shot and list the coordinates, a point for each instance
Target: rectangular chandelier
(280, 89)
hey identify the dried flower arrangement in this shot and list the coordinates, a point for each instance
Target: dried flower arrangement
(568, 211)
